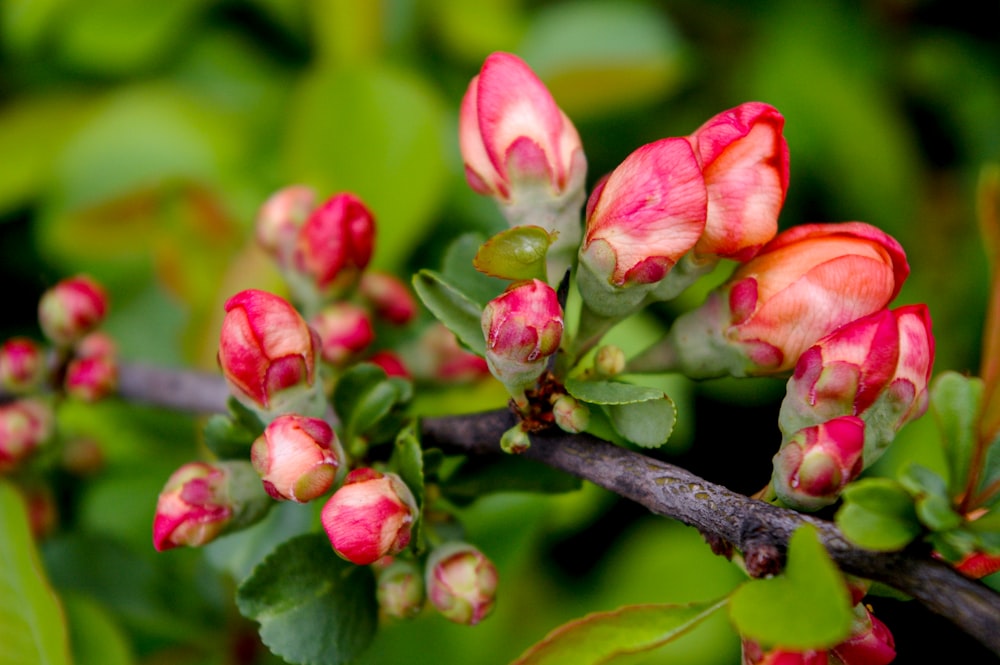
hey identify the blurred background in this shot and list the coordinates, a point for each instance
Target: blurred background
(137, 140)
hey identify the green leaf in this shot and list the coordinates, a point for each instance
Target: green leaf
(227, 438)
(808, 606)
(603, 636)
(878, 514)
(32, 629)
(509, 473)
(408, 461)
(313, 607)
(955, 401)
(517, 253)
(457, 268)
(453, 308)
(611, 392)
(96, 638)
(364, 395)
(647, 424)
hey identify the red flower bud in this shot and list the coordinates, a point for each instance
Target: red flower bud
(370, 516)
(91, 379)
(870, 642)
(297, 457)
(461, 583)
(22, 365)
(344, 330)
(71, 309)
(335, 243)
(389, 296)
(815, 464)
(390, 362)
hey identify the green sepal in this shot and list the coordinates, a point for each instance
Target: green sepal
(312, 606)
(457, 311)
(231, 435)
(807, 606)
(457, 268)
(515, 254)
(878, 514)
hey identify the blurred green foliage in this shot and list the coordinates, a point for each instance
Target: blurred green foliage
(138, 139)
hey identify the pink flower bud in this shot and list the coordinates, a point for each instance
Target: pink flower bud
(876, 367)
(25, 425)
(803, 285)
(461, 583)
(91, 379)
(370, 516)
(437, 356)
(22, 365)
(754, 654)
(400, 589)
(640, 220)
(523, 326)
(281, 217)
(202, 501)
(71, 309)
(870, 642)
(96, 344)
(390, 362)
(297, 458)
(265, 349)
(815, 464)
(744, 159)
(512, 133)
(335, 244)
(344, 330)
(389, 296)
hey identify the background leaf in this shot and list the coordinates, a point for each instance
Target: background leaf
(878, 514)
(452, 307)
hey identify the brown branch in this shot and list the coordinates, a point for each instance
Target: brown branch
(756, 528)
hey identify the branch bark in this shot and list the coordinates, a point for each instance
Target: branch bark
(752, 526)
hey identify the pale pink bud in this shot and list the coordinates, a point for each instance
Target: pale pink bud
(876, 367)
(389, 296)
(93, 378)
(640, 220)
(400, 589)
(523, 326)
(744, 159)
(71, 309)
(22, 365)
(297, 458)
(570, 414)
(202, 501)
(281, 217)
(870, 643)
(370, 516)
(344, 330)
(96, 344)
(609, 361)
(265, 348)
(815, 464)
(461, 583)
(25, 425)
(512, 132)
(335, 243)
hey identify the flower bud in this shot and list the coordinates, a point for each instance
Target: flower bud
(521, 149)
(202, 501)
(22, 365)
(268, 355)
(754, 654)
(25, 425)
(281, 217)
(609, 361)
(400, 589)
(744, 158)
(523, 326)
(640, 220)
(344, 330)
(570, 414)
(978, 565)
(515, 440)
(870, 642)
(876, 367)
(815, 464)
(71, 309)
(461, 583)
(390, 362)
(297, 458)
(803, 285)
(370, 516)
(437, 356)
(389, 296)
(91, 379)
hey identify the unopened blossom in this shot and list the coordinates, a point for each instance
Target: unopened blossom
(268, 354)
(813, 466)
(521, 149)
(803, 285)
(22, 365)
(281, 217)
(523, 326)
(202, 501)
(876, 367)
(388, 296)
(344, 330)
(641, 219)
(333, 246)
(298, 458)
(370, 516)
(25, 425)
(755, 654)
(92, 378)
(399, 589)
(390, 362)
(570, 414)
(461, 583)
(870, 643)
(72, 308)
(437, 356)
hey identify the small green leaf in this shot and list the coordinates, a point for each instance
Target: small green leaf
(611, 392)
(32, 629)
(601, 637)
(313, 607)
(453, 308)
(509, 473)
(878, 514)
(364, 395)
(457, 268)
(808, 606)
(647, 424)
(408, 461)
(517, 253)
(936, 513)
(955, 401)
(227, 438)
